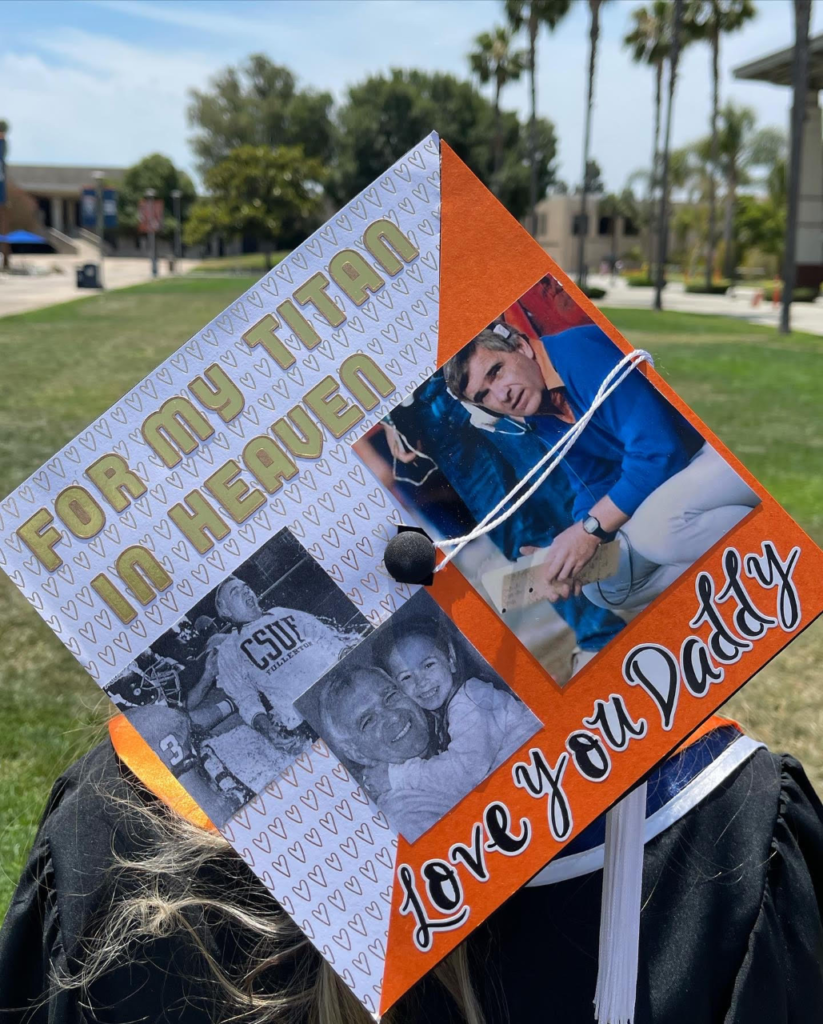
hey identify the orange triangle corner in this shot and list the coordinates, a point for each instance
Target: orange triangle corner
(487, 259)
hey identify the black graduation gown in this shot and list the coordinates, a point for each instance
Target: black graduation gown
(730, 930)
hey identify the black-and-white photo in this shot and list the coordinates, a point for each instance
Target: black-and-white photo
(214, 696)
(417, 716)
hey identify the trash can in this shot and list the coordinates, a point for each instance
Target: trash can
(88, 276)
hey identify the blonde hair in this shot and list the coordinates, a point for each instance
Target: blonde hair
(169, 888)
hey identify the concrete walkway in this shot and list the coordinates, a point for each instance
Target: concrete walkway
(55, 278)
(20, 293)
(806, 316)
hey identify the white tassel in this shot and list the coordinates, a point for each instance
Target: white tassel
(616, 992)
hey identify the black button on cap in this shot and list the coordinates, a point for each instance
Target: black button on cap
(410, 557)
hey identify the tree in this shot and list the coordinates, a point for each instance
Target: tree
(740, 147)
(649, 42)
(594, 36)
(386, 115)
(614, 206)
(800, 89)
(663, 220)
(531, 14)
(258, 192)
(494, 60)
(594, 180)
(259, 104)
(760, 223)
(713, 18)
(153, 172)
(688, 174)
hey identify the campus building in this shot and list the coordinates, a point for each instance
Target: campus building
(57, 191)
(776, 68)
(608, 237)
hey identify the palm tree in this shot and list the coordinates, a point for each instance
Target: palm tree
(494, 60)
(760, 222)
(739, 148)
(615, 205)
(663, 221)
(800, 89)
(531, 14)
(688, 174)
(713, 18)
(649, 42)
(594, 36)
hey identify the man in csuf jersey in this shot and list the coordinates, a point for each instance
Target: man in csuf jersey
(264, 663)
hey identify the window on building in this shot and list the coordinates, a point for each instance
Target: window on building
(580, 223)
(542, 224)
(630, 228)
(605, 226)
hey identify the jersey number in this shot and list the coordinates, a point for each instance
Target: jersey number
(171, 748)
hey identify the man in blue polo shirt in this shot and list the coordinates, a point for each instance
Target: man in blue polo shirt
(639, 470)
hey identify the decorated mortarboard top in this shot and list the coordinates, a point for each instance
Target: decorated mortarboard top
(393, 761)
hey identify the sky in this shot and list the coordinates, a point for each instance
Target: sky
(106, 81)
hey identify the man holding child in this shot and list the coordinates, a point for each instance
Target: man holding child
(416, 723)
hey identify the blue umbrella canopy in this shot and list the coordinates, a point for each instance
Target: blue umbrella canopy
(23, 238)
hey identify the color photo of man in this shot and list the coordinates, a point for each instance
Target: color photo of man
(639, 470)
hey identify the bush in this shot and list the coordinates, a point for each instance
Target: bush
(593, 293)
(799, 294)
(641, 281)
(716, 288)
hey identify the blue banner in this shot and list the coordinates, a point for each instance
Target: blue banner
(88, 208)
(109, 208)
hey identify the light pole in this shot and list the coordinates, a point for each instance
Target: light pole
(150, 194)
(98, 177)
(5, 248)
(176, 196)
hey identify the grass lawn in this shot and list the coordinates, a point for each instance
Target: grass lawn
(247, 263)
(65, 365)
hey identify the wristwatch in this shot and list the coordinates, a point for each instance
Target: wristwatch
(591, 524)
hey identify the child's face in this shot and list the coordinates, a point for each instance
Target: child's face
(422, 671)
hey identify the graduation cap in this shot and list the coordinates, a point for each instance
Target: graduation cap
(440, 768)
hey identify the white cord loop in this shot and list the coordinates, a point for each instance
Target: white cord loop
(561, 449)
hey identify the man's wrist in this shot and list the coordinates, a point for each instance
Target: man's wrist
(591, 525)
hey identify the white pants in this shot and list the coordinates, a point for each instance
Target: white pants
(673, 527)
